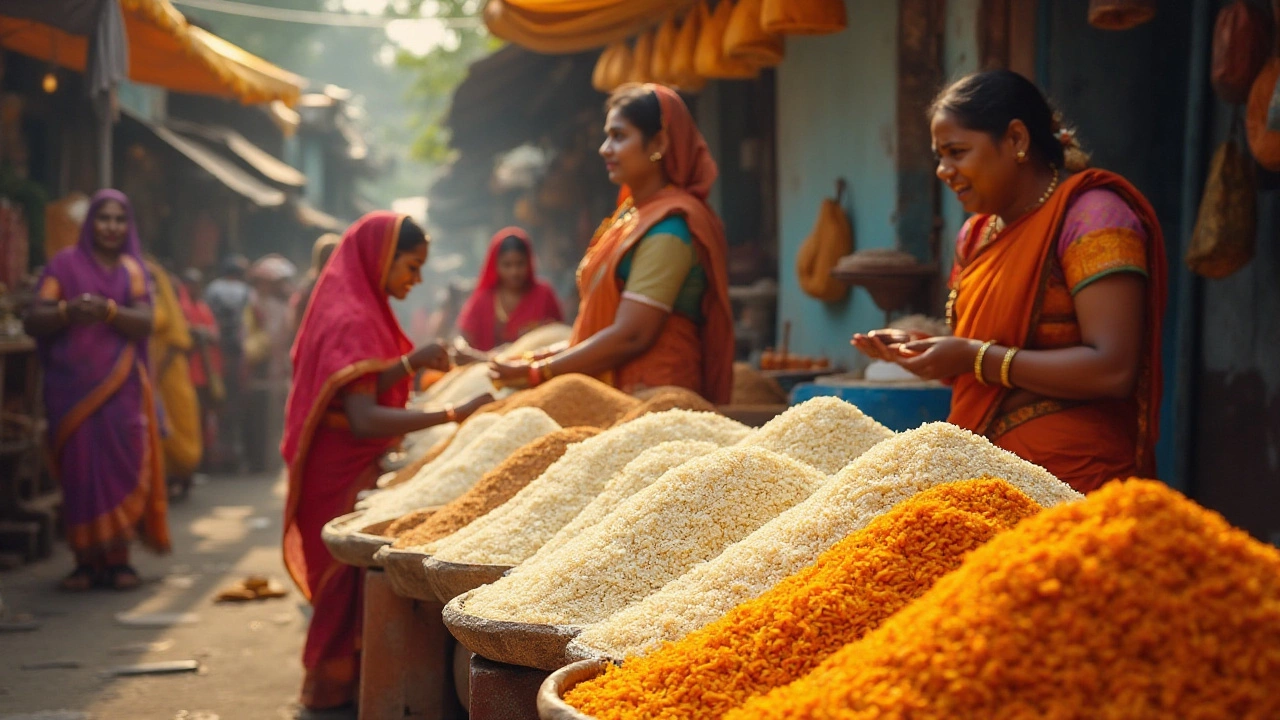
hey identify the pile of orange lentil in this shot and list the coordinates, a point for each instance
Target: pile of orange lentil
(780, 636)
(1133, 603)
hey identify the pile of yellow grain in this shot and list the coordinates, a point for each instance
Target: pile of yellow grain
(571, 400)
(496, 487)
(514, 531)
(887, 474)
(636, 476)
(663, 399)
(825, 432)
(689, 515)
(443, 482)
(1134, 603)
(780, 636)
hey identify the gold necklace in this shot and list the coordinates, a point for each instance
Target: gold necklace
(993, 228)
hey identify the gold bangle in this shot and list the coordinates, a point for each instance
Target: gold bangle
(977, 361)
(112, 310)
(404, 363)
(1004, 367)
(450, 414)
(544, 370)
(62, 310)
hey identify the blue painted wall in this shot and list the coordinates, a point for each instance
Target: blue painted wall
(836, 101)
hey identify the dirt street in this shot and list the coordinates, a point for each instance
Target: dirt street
(248, 653)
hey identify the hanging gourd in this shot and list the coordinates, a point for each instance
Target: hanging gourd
(641, 59)
(683, 66)
(711, 61)
(747, 41)
(803, 17)
(664, 50)
(1120, 14)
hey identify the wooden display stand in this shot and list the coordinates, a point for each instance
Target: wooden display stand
(29, 500)
(504, 692)
(406, 658)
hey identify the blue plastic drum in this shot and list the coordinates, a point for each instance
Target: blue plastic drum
(899, 407)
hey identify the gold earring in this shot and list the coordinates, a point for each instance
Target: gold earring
(1022, 156)
(655, 157)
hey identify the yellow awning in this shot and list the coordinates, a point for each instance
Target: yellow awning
(164, 50)
(569, 26)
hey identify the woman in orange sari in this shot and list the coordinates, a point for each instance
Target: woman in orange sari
(654, 285)
(1057, 294)
(352, 366)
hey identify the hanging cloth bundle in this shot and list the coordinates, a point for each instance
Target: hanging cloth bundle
(803, 17)
(1120, 14)
(710, 60)
(664, 50)
(1241, 44)
(1225, 234)
(746, 40)
(642, 59)
(683, 66)
(602, 76)
(831, 239)
(613, 67)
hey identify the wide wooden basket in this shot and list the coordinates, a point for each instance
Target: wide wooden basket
(453, 579)
(405, 571)
(551, 704)
(353, 541)
(524, 644)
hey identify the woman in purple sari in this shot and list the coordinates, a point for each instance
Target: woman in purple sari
(92, 321)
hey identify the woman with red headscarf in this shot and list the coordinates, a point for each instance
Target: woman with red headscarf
(654, 283)
(509, 299)
(352, 366)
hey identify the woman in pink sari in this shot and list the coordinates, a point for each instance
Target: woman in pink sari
(352, 370)
(92, 320)
(509, 299)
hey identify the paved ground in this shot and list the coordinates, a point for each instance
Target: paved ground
(248, 654)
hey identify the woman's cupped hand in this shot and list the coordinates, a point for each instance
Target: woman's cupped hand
(930, 358)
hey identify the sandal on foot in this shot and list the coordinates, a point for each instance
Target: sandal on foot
(83, 578)
(123, 577)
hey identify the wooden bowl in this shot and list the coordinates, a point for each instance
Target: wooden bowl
(453, 579)
(353, 541)
(405, 570)
(524, 644)
(551, 704)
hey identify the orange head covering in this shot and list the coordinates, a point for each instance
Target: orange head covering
(692, 171)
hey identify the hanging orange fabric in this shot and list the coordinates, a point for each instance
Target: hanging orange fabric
(830, 240)
(746, 40)
(664, 49)
(803, 17)
(642, 59)
(710, 61)
(683, 68)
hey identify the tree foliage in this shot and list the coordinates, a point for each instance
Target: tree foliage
(438, 73)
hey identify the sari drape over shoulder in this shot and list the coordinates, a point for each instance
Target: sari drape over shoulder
(348, 334)
(104, 442)
(539, 306)
(170, 343)
(1001, 297)
(692, 171)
